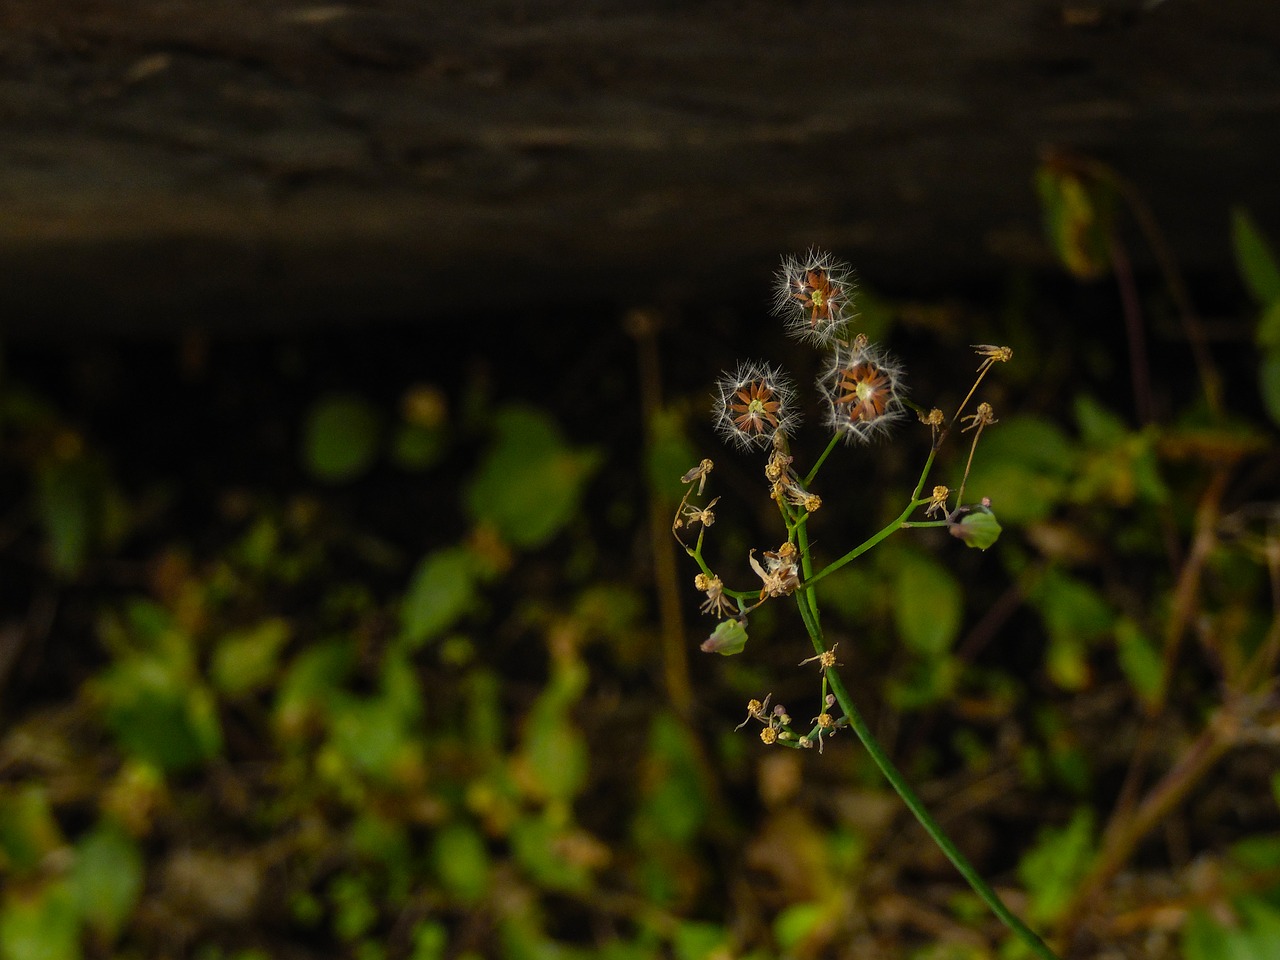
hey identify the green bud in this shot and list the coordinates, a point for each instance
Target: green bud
(978, 527)
(727, 639)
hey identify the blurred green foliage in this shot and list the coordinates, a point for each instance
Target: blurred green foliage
(307, 740)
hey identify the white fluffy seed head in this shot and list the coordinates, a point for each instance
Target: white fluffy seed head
(814, 296)
(753, 404)
(862, 387)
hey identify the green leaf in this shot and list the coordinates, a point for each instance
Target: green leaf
(1203, 939)
(1119, 465)
(247, 659)
(674, 804)
(1077, 220)
(417, 447)
(158, 714)
(537, 842)
(1099, 426)
(1067, 662)
(430, 938)
(461, 861)
(354, 910)
(795, 922)
(530, 483)
(107, 879)
(40, 925)
(1257, 854)
(28, 830)
(554, 749)
(670, 454)
(1075, 614)
(372, 734)
(73, 499)
(1139, 659)
(1269, 384)
(312, 686)
(1053, 867)
(729, 637)
(695, 940)
(924, 682)
(1268, 332)
(1022, 467)
(927, 605)
(1072, 608)
(441, 592)
(1254, 258)
(340, 439)
(1253, 938)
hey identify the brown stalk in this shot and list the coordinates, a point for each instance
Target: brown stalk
(643, 326)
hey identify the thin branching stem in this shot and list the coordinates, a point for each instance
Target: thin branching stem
(807, 602)
(860, 549)
(831, 445)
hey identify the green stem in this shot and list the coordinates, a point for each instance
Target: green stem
(891, 527)
(831, 445)
(807, 602)
(913, 802)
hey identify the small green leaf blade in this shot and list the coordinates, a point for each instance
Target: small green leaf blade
(461, 861)
(341, 437)
(1077, 220)
(530, 484)
(43, 926)
(443, 590)
(1269, 384)
(1053, 867)
(1254, 258)
(1140, 661)
(107, 879)
(927, 605)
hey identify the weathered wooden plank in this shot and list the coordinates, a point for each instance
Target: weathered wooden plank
(175, 161)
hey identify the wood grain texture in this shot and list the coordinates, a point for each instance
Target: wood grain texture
(238, 163)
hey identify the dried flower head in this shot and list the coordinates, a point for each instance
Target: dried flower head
(699, 475)
(814, 294)
(793, 492)
(755, 403)
(826, 659)
(716, 603)
(780, 574)
(691, 513)
(826, 726)
(862, 385)
(938, 501)
(991, 355)
(985, 416)
(755, 711)
(778, 466)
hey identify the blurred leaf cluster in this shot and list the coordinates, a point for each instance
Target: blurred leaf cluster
(302, 737)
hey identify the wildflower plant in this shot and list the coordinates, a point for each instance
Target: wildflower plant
(861, 387)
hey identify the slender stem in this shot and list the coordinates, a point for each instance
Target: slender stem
(861, 548)
(807, 602)
(831, 445)
(1122, 838)
(913, 802)
(1139, 365)
(675, 660)
(895, 524)
(1210, 380)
